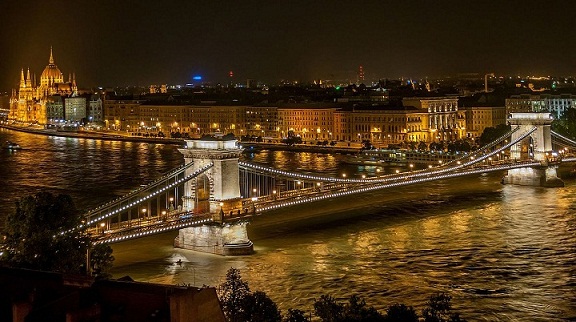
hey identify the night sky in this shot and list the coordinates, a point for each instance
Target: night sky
(117, 43)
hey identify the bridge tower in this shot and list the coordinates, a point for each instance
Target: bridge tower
(217, 191)
(537, 146)
(218, 184)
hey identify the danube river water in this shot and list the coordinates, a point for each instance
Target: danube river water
(504, 253)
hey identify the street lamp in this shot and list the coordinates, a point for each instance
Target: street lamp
(163, 214)
(274, 194)
(254, 199)
(102, 225)
(144, 213)
(171, 207)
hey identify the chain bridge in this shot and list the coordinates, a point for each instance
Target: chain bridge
(212, 197)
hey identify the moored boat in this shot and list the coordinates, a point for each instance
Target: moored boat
(11, 146)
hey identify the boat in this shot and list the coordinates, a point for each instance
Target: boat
(11, 146)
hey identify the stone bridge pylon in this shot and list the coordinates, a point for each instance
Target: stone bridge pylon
(538, 147)
(215, 191)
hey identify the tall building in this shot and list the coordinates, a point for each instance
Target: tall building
(29, 103)
(360, 74)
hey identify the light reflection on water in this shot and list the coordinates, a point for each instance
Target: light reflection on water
(503, 252)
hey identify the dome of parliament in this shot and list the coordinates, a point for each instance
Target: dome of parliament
(51, 72)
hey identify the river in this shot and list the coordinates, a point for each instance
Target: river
(504, 253)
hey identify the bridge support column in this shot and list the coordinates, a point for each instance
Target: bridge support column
(537, 146)
(221, 239)
(544, 176)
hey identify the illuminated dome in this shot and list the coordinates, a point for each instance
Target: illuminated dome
(51, 73)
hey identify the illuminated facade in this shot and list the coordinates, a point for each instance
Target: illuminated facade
(479, 118)
(443, 118)
(432, 119)
(390, 126)
(555, 104)
(309, 122)
(193, 120)
(29, 103)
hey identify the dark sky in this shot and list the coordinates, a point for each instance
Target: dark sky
(142, 42)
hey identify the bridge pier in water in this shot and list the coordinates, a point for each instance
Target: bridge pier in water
(218, 238)
(215, 191)
(537, 146)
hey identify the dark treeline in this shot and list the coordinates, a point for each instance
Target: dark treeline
(242, 305)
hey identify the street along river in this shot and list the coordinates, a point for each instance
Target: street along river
(502, 252)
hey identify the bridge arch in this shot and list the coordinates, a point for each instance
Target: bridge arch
(537, 146)
(220, 183)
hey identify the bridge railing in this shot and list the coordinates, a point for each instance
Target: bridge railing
(129, 202)
(152, 228)
(563, 138)
(172, 174)
(408, 180)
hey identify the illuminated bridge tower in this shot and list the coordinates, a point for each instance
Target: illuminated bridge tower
(215, 191)
(537, 147)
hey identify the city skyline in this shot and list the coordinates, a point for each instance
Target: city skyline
(111, 44)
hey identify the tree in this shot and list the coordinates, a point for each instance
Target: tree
(439, 309)
(240, 305)
(357, 311)
(490, 134)
(411, 145)
(328, 310)
(101, 260)
(401, 313)
(295, 315)
(566, 124)
(436, 146)
(291, 140)
(422, 146)
(43, 234)
(232, 294)
(258, 307)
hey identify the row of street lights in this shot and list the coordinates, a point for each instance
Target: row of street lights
(144, 211)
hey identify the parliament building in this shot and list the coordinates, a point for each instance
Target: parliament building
(42, 103)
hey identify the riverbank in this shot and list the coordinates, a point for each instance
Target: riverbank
(112, 136)
(120, 136)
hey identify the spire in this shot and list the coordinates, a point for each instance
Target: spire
(28, 78)
(74, 86)
(22, 80)
(51, 61)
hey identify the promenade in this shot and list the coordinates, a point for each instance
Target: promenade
(124, 136)
(91, 134)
